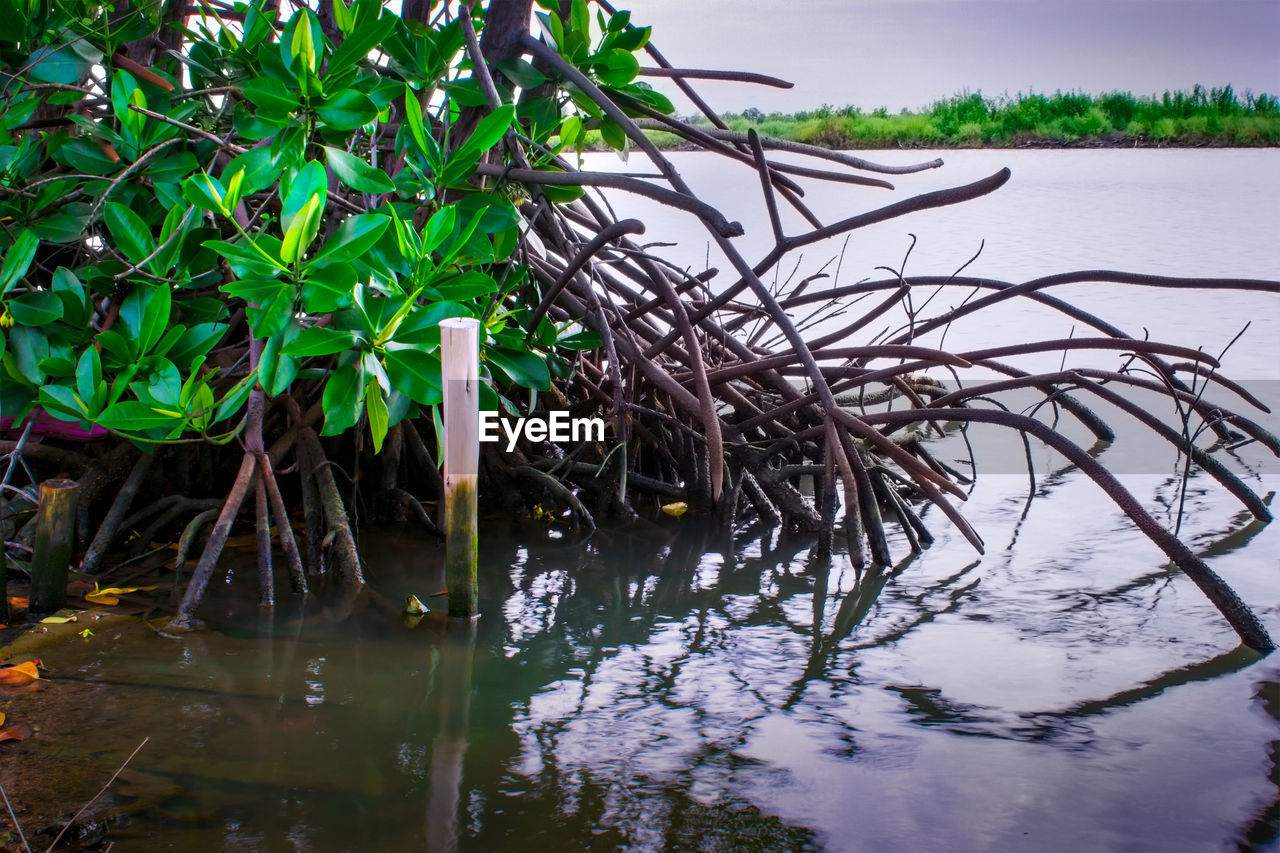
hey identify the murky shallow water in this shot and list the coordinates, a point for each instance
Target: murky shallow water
(675, 686)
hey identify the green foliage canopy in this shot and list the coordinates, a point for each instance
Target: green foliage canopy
(276, 182)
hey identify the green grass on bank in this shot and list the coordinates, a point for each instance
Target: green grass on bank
(1201, 117)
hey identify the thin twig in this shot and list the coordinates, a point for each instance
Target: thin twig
(76, 816)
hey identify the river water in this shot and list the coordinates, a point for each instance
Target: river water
(670, 685)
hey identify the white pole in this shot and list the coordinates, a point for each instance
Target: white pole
(460, 369)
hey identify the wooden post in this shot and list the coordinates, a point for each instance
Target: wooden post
(51, 555)
(460, 368)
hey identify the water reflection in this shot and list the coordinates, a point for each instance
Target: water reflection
(671, 685)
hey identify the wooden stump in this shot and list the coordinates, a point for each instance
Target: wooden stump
(55, 534)
(460, 368)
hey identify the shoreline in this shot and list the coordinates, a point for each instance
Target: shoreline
(1100, 143)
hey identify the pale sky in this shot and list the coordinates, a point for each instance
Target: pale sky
(907, 53)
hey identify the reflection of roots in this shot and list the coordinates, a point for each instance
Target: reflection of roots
(1264, 830)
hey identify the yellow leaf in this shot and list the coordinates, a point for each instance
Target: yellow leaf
(121, 590)
(676, 509)
(23, 673)
(57, 620)
(1, 718)
(101, 598)
(413, 607)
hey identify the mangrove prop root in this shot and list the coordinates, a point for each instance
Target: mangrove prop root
(413, 509)
(346, 556)
(266, 569)
(110, 526)
(185, 617)
(716, 381)
(288, 544)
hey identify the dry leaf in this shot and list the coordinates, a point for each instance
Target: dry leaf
(18, 731)
(1, 718)
(23, 673)
(15, 601)
(111, 595)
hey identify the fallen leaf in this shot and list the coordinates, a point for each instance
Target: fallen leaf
(676, 509)
(102, 598)
(18, 731)
(23, 673)
(15, 601)
(57, 620)
(1, 718)
(122, 590)
(413, 607)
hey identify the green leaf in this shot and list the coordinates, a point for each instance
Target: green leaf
(587, 340)
(370, 29)
(259, 167)
(613, 134)
(302, 47)
(377, 408)
(348, 110)
(439, 227)
(616, 67)
(415, 372)
(571, 130)
(311, 179)
(342, 17)
(144, 314)
(521, 72)
(121, 349)
(61, 400)
(18, 260)
(28, 346)
(490, 129)
(270, 96)
(57, 64)
(88, 374)
(356, 235)
(633, 38)
(343, 399)
(245, 260)
(552, 27)
(36, 308)
(356, 173)
(303, 230)
(420, 133)
(276, 372)
(618, 21)
(467, 285)
(524, 368)
(130, 416)
(328, 286)
(318, 340)
(580, 18)
(268, 318)
(254, 289)
(205, 192)
(196, 342)
(129, 231)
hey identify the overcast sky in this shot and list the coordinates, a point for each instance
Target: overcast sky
(907, 53)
